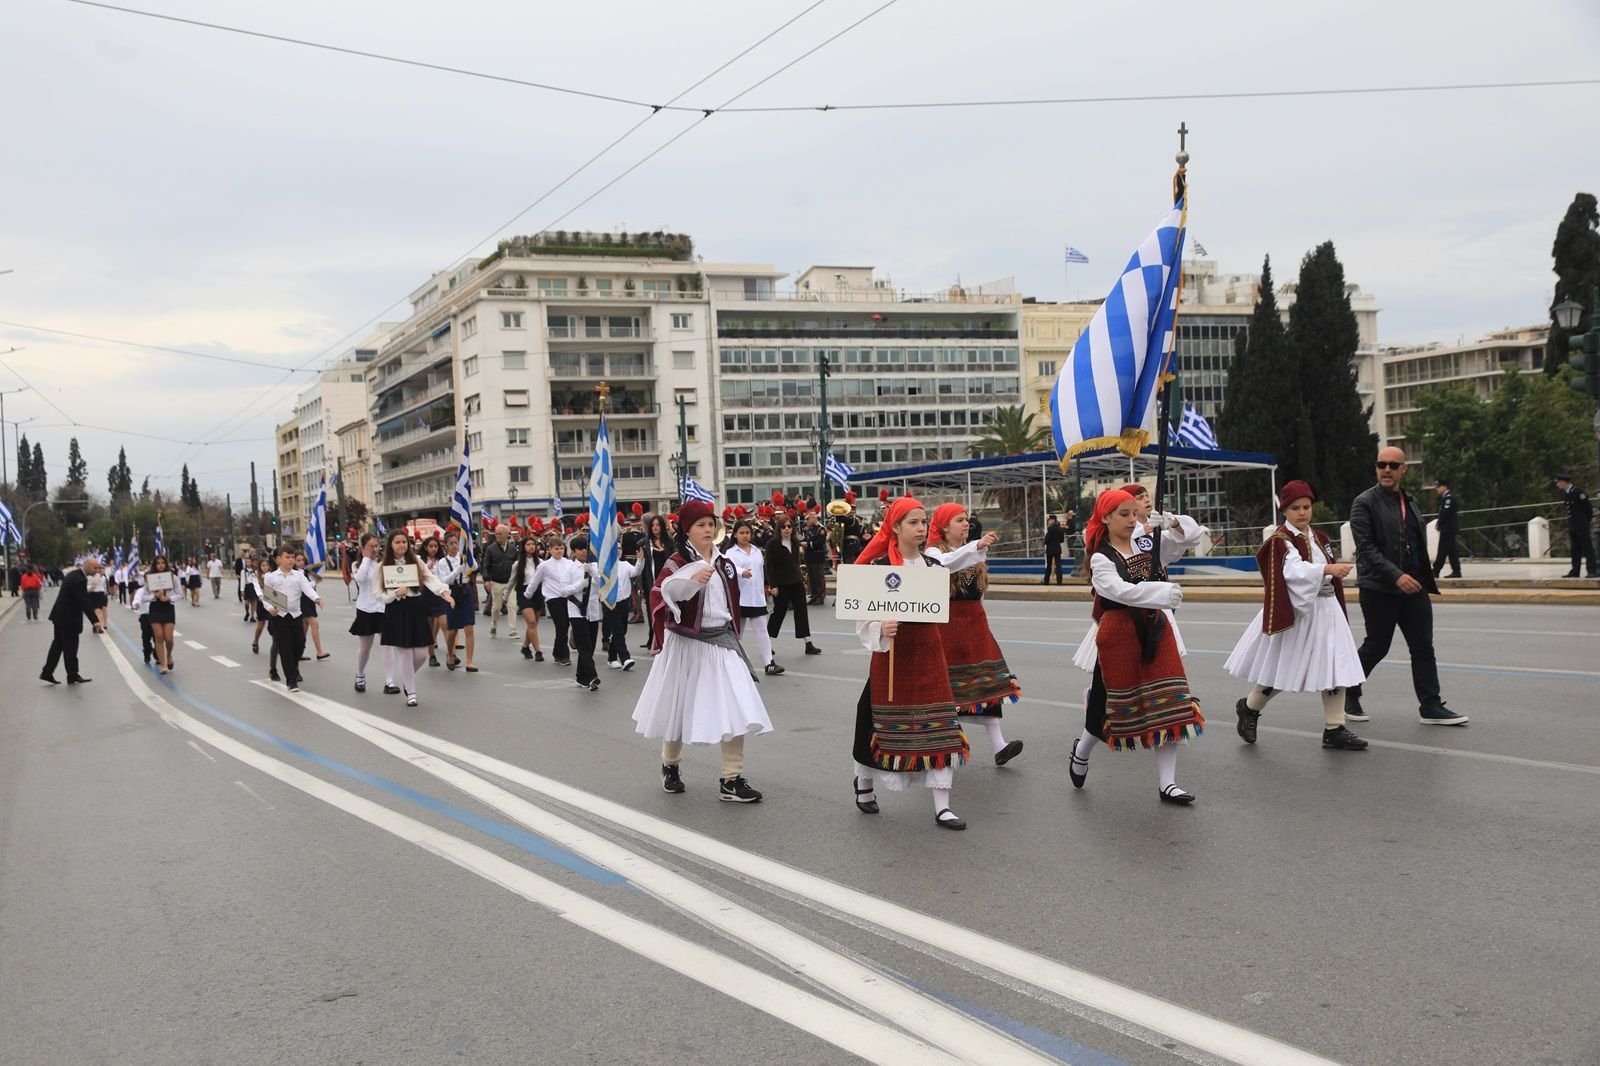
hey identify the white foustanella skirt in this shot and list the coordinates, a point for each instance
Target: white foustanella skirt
(700, 694)
(1316, 654)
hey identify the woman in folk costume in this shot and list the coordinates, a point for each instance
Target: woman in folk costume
(1300, 639)
(701, 688)
(915, 736)
(1140, 696)
(980, 680)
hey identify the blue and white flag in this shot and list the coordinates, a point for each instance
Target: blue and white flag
(378, 522)
(161, 548)
(693, 490)
(8, 526)
(1105, 394)
(1075, 256)
(317, 530)
(461, 507)
(604, 537)
(838, 472)
(133, 549)
(1195, 432)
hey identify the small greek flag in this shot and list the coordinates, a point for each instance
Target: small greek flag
(1075, 256)
(1195, 432)
(317, 530)
(1105, 393)
(378, 522)
(461, 507)
(161, 548)
(8, 526)
(604, 539)
(838, 472)
(693, 490)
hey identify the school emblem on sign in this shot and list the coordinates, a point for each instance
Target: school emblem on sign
(892, 582)
(1144, 543)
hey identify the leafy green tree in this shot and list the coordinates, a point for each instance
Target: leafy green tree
(24, 477)
(1577, 267)
(144, 490)
(1453, 430)
(190, 490)
(40, 483)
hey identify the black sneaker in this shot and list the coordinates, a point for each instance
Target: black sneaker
(1249, 718)
(538, 656)
(594, 686)
(1343, 739)
(773, 668)
(1440, 715)
(812, 649)
(738, 790)
(527, 652)
(1353, 711)
(563, 662)
(671, 780)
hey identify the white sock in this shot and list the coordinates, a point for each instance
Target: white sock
(1085, 745)
(388, 665)
(763, 641)
(365, 653)
(996, 737)
(1167, 765)
(1333, 708)
(1257, 700)
(941, 799)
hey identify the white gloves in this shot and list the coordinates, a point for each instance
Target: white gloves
(1175, 596)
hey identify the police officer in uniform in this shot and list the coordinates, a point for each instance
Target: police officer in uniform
(1449, 520)
(1580, 514)
(815, 540)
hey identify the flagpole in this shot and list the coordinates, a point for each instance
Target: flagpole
(1180, 188)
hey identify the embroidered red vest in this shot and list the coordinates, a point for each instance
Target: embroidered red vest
(1277, 610)
(688, 621)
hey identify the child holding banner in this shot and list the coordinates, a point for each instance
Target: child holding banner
(906, 731)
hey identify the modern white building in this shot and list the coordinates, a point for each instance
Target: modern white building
(336, 398)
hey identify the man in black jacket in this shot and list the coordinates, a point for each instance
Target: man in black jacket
(498, 558)
(815, 539)
(1395, 579)
(1053, 537)
(1580, 516)
(1449, 525)
(72, 606)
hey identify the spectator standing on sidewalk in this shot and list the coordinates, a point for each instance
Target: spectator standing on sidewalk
(1449, 521)
(1580, 515)
(1054, 537)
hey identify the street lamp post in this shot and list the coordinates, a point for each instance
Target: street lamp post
(512, 492)
(1586, 346)
(680, 462)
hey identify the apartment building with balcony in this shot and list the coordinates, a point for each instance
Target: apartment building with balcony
(914, 377)
(337, 397)
(287, 480)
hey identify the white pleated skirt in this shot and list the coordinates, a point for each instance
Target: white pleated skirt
(700, 694)
(1087, 657)
(1316, 654)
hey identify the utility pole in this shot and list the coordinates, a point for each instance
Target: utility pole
(822, 432)
(5, 478)
(255, 507)
(229, 527)
(277, 530)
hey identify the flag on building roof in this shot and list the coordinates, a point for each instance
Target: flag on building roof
(461, 507)
(838, 472)
(1195, 432)
(317, 529)
(1105, 393)
(604, 537)
(1075, 256)
(693, 490)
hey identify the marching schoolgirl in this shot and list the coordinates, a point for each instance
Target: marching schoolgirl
(452, 570)
(980, 680)
(405, 612)
(701, 688)
(1300, 639)
(258, 570)
(432, 551)
(1140, 696)
(99, 595)
(578, 584)
(308, 608)
(191, 581)
(248, 592)
(368, 625)
(915, 736)
(163, 616)
(784, 553)
(751, 564)
(288, 630)
(529, 607)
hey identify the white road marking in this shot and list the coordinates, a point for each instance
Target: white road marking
(252, 792)
(196, 645)
(1212, 1035)
(828, 1021)
(201, 750)
(884, 997)
(225, 661)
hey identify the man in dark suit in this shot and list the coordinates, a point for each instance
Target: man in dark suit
(72, 606)
(1449, 524)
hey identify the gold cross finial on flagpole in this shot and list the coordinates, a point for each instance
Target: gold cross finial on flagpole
(604, 390)
(1183, 143)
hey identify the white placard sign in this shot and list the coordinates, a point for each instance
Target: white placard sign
(275, 598)
(400, 575)
(893, 593)
(158, 582)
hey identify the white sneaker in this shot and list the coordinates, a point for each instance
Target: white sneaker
(614, 665)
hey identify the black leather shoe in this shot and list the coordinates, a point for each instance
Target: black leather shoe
(671, 779)
(1342, 739)
(864, 806)
(1174, 794)
(1248, 720)
(1078, 776)
(49, 678)
(772, 669)
(1353, 711)
(271, 675)
(79, 680)
(1007, 753)
(527, 652)
(951, 822)
(361, 684)
(391, 690)
(812, 649)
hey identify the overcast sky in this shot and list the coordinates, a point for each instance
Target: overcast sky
(211, 192)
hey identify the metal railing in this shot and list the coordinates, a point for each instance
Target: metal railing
(861, 296)
(617, 294)
(600, 333)
(620, 447)
(415, 433)
(632, 410)
(439, 460)
(624, 371)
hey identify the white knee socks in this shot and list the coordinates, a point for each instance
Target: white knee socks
(388, 665)
(763, 642)
(1333, 708)
(941, 799)
(365, 653)
(1257, 700)
(996, 737)
(1167, 764)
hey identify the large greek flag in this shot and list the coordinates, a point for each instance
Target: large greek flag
(317, 530)
(693, 490)
(1105, 393)
(461, 507)
(1195, 432)
(604, 538)
(8, 526)
(161, 548)
(838, 472)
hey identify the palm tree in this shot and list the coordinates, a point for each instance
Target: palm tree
(1012, 431)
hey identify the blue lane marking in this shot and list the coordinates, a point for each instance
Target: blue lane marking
(1049, 1043)
(517, 838)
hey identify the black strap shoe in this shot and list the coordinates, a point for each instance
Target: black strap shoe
(79, 680)
(1247, 721)
(1174, 794)
(864, 806)
(1007, 753)
(1078, 776)
(951, 822)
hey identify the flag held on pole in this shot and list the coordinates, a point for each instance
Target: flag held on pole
(317, 530)
(693, 490)
(604, 537)
(461, 507)
(1195, 432)
(838, 472)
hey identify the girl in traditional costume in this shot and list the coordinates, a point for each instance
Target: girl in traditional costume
(1140, 696)
(980, 680)
(1300, 639)
(913, 737)
(701, 688)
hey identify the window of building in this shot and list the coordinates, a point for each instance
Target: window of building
(516, 397)
(469, 326)
(691, 431)
(469, 366)
(602, 286)
(517, 436)
(659, 285)
(517, 475)
(553, 286)
(680, 321)
(683, 360)
(514, 360)
(1047, 368)
(473, 404)
(511, 319)
(475, 441)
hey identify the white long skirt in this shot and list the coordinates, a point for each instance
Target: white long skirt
(1316, 654)
(900, 780)
(1087, 657)
(700, 694)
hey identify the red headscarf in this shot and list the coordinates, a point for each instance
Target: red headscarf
(942, 516)
(886, 541)
(1094, 534)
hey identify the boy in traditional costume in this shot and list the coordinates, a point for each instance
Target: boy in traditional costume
(1300, 639)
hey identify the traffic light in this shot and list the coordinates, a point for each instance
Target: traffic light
(1586, 361)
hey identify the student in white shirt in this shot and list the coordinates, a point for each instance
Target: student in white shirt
(405, 612)
(369, 615)
(751, 562)
(452, 570)
(614, 620)
(522, 576)
(579, 584)
(214, 572)
(288, 631)
(553, 570)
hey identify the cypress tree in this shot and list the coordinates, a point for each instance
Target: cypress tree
(24, 479)
(40, 477)
(77, 469)
(119, 480)
(1324, 336)
(1261, 388)
(1577, 266)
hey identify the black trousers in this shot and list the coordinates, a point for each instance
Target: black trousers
(583, 637)
(64, 646)
(557, 607)
(147, 638)
(1052, 561)
(1094, 709)
(816, 571)
(614, 623)
(786, 597)
(1413, 614)
(1582, 549)
(1447, 551)
(289, 642)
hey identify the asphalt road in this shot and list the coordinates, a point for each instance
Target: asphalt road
(203, 869)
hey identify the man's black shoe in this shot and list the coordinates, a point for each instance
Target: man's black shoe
(1248, 720)
(1353, 711)
(812, 649)
(49, 678)
(1341, 738)
(1441, 715)
(1570, 573)
(671, 780)
(79, 680)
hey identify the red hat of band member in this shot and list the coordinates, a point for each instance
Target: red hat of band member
(1295, 490)
(622, 518)
(800, 505)
(536, 524)
(777, 497)
(637, 509)
(883, 495)
(583, 519)
(672, 516)
(727, 514)
(693, 511)
(739, 511)
(790, 511)
(850, 496)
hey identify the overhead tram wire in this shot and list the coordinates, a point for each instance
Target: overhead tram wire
(150, 347)
(271, 392)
